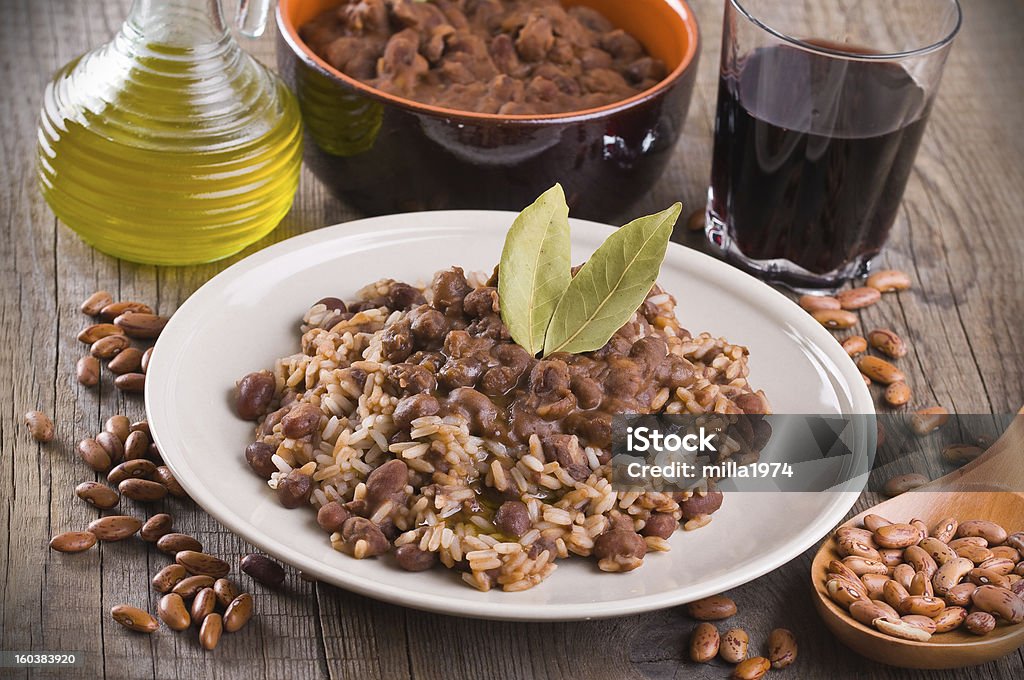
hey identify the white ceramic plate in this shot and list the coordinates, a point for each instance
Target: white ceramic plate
(247, 316)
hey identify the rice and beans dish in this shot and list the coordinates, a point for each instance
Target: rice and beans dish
(420, 432)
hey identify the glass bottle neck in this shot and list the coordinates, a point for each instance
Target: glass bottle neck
(178, 23)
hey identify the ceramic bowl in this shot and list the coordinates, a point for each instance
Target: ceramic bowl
(385, 154)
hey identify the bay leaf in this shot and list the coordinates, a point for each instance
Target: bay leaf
(535, 268)
(612, 285)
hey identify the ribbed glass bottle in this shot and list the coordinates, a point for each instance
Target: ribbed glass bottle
(170, 144)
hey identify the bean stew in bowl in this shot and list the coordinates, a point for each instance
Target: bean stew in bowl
(485, 103)
(418, 420)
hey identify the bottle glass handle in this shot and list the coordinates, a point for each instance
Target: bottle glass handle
(252, 17)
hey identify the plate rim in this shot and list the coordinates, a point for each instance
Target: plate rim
(855, 391)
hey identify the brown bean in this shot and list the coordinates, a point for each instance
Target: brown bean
(172, 611)
(200, 563)
(927, 420)
(210, 632)
(128, 360)
(203, 605)
(897, 394)
(1006, 552)
(301, 421)
(890, 557)
(225, 591)
(960, 594)
(853, 546)
(950, 574)
(873, 585)
(174, 543)
(819, 303)
(131, 469)
(873, 521)
(115, 527)
(1016, 541)
(331, 517)
(39, 425)
(949, 619)
(1000, 565)
(921, 605)
(93, 304)
(97, 495)
(134, 618)
(958, 543)
(142, 490)
(87, 370)
(254, 393)
(73, 541)
(781, 648)
(980, 623)
(888, 343)
(116, 309)
(753, 668)
(704, 643)
(990, 531)
(98, 331)
(156, 527)
(880, 370)
(999, 601)
(904, 483)
(238, 612)
(168, 577)
(866, 611)
(108, 347)
(713, 608)
(919, 560)
(733, 646)
(862, 565)
(889, 280)
(894, 593)
(855, 345)
(118, 425)
(925, 623)
(863, 535)
(858, 298)
(839, 569)
(146, 357)
(164, 476)
(961, 454)
(904, 575)
(937, 550)
(139, 426)
(263, 570)
(141, 325)
(112, 445)
(945, 530)
(845, 593)
(132, 383)
(835, 318)
(94, 455)
(136, 446)
(294, 489)
(190, 585)
(986, 577)
(897, 536)
(921, 584)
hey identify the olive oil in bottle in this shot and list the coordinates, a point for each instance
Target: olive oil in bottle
(170, 145)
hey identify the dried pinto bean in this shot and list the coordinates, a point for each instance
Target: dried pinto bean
(888, 343)
(73, 541)
(131, 469)
(134, 618)
(713, 608)
(704, 643)
(128, 360)
(112, 445)
(835, 318)
(904, 483)
(202, 564)
(880, 370)
(97, 495)
(108, 347)
(133, 383)
(173, 543)
(858, 298)
(94, 455)
(93, 304)
(156, 527)
(238, 612)
(264, 570)
(164, 476)
(39, 425)
(172, 611)
(927, 420)
(781, 648)
(87, 370)
(889, 280)
(897, 394)
(141, 325)
(115, 527)
(225, 591)
(142, 490)
(818, 303)
(167, 578)
(210, 631)
(98, 331)
(855, 345)
(190, 585)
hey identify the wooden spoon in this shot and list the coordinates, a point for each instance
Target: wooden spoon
(990, 487)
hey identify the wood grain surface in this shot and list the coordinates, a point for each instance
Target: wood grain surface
(960, 233)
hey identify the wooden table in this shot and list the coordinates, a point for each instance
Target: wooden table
(960, 234)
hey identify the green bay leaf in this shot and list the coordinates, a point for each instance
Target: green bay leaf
(535, 268)
(612, 285)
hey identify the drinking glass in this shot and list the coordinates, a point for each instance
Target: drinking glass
(821, 109)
